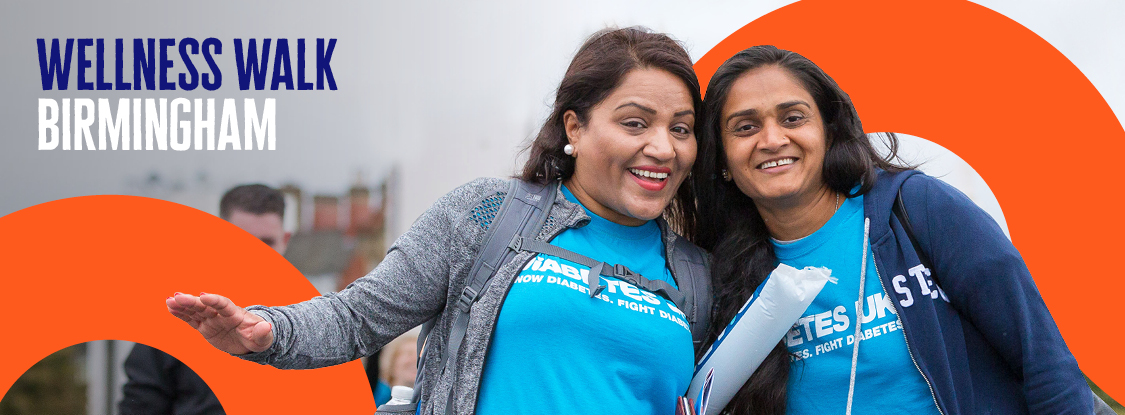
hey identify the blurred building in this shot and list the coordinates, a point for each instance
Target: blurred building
(345, 239)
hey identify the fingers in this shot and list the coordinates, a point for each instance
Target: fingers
(184, 307)
(174, 308)
(187, 303)
(225, 325)
(190, 319)
(180, 301)
(197, 314)
(222, 305)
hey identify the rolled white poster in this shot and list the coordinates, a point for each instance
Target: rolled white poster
(769, 313)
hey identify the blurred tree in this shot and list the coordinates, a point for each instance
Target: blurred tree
(51, 387)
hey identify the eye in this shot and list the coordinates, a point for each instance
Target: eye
(681, 130)
(794, 119)
(744, 128)
(633, 123)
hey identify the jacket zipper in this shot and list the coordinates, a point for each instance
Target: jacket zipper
(906, 339)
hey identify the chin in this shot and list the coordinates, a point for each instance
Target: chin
(647, 212)
(768, 193)
(766, 196)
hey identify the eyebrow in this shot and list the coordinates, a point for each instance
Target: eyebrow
(652, 111)
(742, 113)
(753, 111)
(788, 104)
(634, 104)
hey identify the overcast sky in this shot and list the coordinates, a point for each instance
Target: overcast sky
(445, 90)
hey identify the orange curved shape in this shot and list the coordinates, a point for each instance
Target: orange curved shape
(1010, 105)
(957, 73)
(100, 267)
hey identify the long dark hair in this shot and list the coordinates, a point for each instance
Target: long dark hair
(596, 70)
(729, 223)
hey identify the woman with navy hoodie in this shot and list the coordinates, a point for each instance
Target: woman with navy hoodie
(785, 174)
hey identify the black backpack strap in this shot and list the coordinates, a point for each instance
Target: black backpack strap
(522, 214)
(899, 210)
(693, 275)
(601, 268)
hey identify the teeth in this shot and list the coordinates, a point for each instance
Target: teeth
(775, 163)
(649, 174)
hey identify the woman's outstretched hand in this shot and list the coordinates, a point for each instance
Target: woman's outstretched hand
(228, 327)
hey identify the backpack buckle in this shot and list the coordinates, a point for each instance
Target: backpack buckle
(468, 297)
(516, 244)
(622, 272)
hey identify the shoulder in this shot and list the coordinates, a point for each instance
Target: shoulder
(680, 251)
(476, 190)
(468, 197)
(935, 196)
(451, 215)
(919, 191)
(943, 215)
(148, 358)
(924, 185)
(680, 245)
(486, 184)
(149, 354)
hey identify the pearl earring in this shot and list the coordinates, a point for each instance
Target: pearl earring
(568, 149)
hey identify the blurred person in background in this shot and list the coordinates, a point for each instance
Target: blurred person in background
(257, 209)
(159, 383)
(398, 364)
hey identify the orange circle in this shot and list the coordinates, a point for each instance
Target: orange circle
(1009, 104)
(100, 267)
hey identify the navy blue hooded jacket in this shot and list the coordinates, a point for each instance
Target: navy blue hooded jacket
(976, 326)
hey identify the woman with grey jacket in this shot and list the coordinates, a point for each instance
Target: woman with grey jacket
(618, 145)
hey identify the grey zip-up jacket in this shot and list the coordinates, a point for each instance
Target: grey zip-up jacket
(420, 278)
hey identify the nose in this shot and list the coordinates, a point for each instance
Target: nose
(660, 146)
(773, 137)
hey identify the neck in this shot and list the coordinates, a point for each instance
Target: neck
(795, 219)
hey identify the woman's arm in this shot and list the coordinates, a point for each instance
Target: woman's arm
(989, 284)
(408, 288)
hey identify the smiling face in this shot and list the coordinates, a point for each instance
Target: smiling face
(635, 148)
(774, 138)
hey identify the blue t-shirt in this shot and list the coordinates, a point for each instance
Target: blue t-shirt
(887, 381)
(556, 350)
